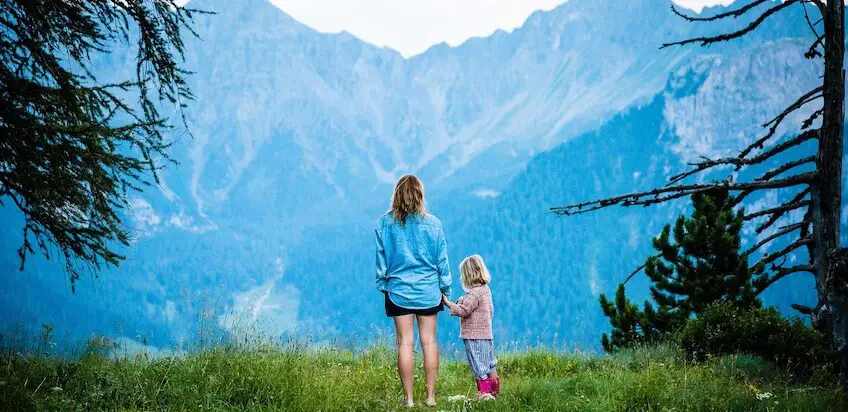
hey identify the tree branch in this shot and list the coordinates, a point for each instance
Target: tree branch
(639, 198)
(741, 161)
(785, 230)
(775, 123)
(639, 269)
(784, 272)
(733, 13)
(813, 51)
(809, 22)
(777, 214)
(736, 34)
(769, 258)
(785, 167)
(782, 208)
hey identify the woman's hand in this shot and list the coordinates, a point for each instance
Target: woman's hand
(449, 304)
(446, 300)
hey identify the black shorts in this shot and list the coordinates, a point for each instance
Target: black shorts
(393, 310)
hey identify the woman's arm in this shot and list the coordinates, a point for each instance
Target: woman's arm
(382, 269)
(445, 278)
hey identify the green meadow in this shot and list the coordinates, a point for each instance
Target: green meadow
(295, 378)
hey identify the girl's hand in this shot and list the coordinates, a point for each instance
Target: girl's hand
(446, 300)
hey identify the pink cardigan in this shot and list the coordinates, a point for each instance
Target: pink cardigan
(476, 310)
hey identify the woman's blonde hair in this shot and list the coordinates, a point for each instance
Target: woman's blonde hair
(407, 199)
(473, 272)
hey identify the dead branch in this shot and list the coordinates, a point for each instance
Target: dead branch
(736, 34)
(786, 167)
(775, 123)
(769, 258)
(809, 121)
(780, 209)
(804, 310)
(740, 161)
(797, 104)
(809, 22)
(651, 196)
(783, 231)
(776, 216)
(733, 13)
(784, 272)
(813, 51)
(639, 269)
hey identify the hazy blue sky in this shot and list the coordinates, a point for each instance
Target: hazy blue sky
(412, 26)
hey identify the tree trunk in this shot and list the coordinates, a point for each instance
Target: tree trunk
(827, 188)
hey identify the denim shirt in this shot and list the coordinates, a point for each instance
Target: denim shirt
(412, 261)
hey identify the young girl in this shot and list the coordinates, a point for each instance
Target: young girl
(475, 310)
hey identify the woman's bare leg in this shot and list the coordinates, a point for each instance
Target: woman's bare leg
(427, 335)
(404, 328)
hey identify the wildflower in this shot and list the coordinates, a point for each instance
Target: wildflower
(764, 395)
(457, 398)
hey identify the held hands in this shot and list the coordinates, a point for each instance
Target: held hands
(449, 304)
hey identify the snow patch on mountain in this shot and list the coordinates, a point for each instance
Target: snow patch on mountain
(486, 193)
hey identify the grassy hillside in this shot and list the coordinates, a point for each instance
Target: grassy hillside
(653, 379)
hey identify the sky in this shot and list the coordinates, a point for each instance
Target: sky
(413, 26)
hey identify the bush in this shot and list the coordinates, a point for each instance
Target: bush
(725, 329)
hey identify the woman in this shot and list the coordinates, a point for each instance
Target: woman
(413, 273)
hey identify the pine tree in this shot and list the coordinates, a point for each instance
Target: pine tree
(817, 192)
(702, 265)
(71, 147)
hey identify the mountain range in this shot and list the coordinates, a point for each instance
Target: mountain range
(266, 223)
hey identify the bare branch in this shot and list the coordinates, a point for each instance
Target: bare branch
(784, 272)
(769, 258)
(779, 213)
(813, 51)
(786, 167)
(639, 269)
(775, 123)
(785, 230)
(822, 8)
(805, 310)
(797, 104)
(733, 13)
(650, 197)
(775, 210)
(736, 34)
(809, 22)
(741, 161)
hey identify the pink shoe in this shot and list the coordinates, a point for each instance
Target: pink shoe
(484, 385)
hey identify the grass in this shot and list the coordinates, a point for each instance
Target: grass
(301, 379)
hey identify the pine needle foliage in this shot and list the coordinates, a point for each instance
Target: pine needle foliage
(699, 262)
(71, 146)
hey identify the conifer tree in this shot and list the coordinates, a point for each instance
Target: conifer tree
(818, 192)
(72, 145)
(698, 262)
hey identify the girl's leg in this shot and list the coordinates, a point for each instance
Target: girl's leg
(493, 374)
(427, 334)
(404, 328)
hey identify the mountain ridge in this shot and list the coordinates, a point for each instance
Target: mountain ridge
(298, 136)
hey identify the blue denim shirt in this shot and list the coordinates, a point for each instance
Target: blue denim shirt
(412, 261)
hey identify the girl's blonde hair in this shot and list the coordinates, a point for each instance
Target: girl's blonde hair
(407, 199)
(473, 272)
